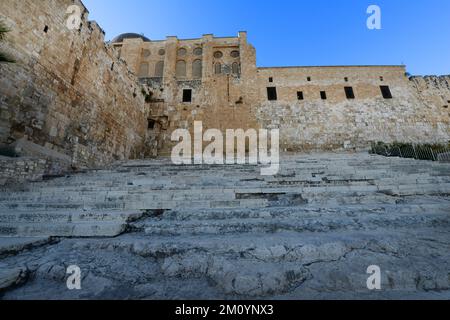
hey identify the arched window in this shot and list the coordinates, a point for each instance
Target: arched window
(181, 69)
(235, 54)
(197, 69)
(143, 70)
(235, 68)
(159, 69)
(217, 68)
(198, 51)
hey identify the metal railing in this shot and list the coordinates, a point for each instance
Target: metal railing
(413, 151)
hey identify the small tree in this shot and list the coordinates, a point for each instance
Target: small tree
(3, 31)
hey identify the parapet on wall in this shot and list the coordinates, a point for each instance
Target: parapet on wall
(68, 90)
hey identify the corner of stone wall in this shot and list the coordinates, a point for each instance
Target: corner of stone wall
(87, 104)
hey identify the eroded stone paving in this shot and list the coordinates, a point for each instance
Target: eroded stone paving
(153, 230)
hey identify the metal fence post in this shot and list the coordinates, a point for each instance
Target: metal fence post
(432, 154)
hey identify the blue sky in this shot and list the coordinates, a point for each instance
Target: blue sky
(297, 32)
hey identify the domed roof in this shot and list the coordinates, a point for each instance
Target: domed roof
(123, 36)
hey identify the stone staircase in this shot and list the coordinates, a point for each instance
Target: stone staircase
(229, 198)
(251, 235)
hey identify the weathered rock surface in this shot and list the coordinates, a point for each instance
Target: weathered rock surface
(11, 277)
(14, 245)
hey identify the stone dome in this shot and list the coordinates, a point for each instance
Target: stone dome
(123, 36)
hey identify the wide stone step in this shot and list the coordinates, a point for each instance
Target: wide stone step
(186, 214)
(34, 216)
(142, 204)
(58, 229)
(274, 225)
(387, 177)
(144, 194)
(243, 198)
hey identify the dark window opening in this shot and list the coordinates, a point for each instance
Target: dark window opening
(270, 79)
(46, 29)
(445, 107)
(235, 68)
(386, 92)
(151, 124)
(112, 67)
(323, 95)
(309, 78)
(346, 79)
(187, 95)
(381, 79)
(300, 95)
(349, 93)
(272, 93)
(217, 68)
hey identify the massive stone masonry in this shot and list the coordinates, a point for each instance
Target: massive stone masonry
(68, 90)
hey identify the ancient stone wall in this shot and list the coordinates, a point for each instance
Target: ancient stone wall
(308, 121)
(433, 92)
(17, 170)
(68, 90)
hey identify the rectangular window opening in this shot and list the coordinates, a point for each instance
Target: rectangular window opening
(309, 78)
(346, 79)
(349, 93)
(386, 92)
(187, 95)
(46, 29)
(272, 94)
(270, 79)
(323, 95)
(151, 124)
(300, 95)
